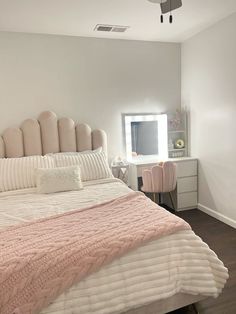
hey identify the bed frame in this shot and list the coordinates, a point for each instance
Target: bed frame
(48, 134)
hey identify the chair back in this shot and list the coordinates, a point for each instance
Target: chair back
(160, 178)
(169, 176)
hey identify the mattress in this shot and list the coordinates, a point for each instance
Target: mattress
(178, 263)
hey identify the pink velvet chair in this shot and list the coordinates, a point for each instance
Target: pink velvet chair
(160, 179)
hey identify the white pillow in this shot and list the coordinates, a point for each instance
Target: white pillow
(97, 150)
(18, 173)
(94, 166)
(58, 179)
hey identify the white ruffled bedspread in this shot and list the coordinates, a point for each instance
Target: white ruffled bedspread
(181, 262)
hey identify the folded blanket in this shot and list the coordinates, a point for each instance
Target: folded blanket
(41, 259)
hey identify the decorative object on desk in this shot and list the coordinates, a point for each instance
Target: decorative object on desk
(175, 121)
(179, 143)
(119, 161)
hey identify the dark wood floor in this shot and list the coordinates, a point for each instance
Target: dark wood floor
(221, 238)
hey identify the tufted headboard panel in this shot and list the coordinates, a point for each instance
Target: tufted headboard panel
(49, 134)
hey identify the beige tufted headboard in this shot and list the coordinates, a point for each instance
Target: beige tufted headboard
(49, 135)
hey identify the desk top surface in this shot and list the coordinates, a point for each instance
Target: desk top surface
(147, 161)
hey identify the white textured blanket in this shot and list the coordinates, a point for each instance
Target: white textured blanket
(175, 263)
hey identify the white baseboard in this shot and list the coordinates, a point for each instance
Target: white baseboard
(217, 215)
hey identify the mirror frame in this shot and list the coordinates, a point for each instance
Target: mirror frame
(161, 118)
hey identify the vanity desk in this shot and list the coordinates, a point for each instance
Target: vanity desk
(185, 195)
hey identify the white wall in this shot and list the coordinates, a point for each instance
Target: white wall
(90, 80)
(209, 91)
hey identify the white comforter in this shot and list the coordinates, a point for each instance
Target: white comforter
(177, 263)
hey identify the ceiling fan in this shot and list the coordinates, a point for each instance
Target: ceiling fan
(167, 6)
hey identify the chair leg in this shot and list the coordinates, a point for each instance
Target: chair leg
(194, 308)
(154, 197)
(172, 201)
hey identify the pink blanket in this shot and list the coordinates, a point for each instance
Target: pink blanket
(39, 260)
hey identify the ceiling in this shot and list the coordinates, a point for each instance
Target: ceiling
(79, 17)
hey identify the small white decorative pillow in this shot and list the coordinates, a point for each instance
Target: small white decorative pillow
(58, 179)
(18, 173)
(94, 166)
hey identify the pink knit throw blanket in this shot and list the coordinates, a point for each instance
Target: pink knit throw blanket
(39, 260)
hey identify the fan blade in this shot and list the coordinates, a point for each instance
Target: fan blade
(170, 5)
(157, 1)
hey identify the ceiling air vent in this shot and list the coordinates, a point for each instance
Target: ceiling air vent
(110, 28)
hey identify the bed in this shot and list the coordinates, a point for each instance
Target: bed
(157, 277)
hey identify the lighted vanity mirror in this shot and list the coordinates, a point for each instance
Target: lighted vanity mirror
(145, 136)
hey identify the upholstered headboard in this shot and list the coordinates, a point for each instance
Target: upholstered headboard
(49, 135)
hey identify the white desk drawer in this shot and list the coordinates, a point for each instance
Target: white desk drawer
(187, 184)
(186, 200)
(187, 168)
